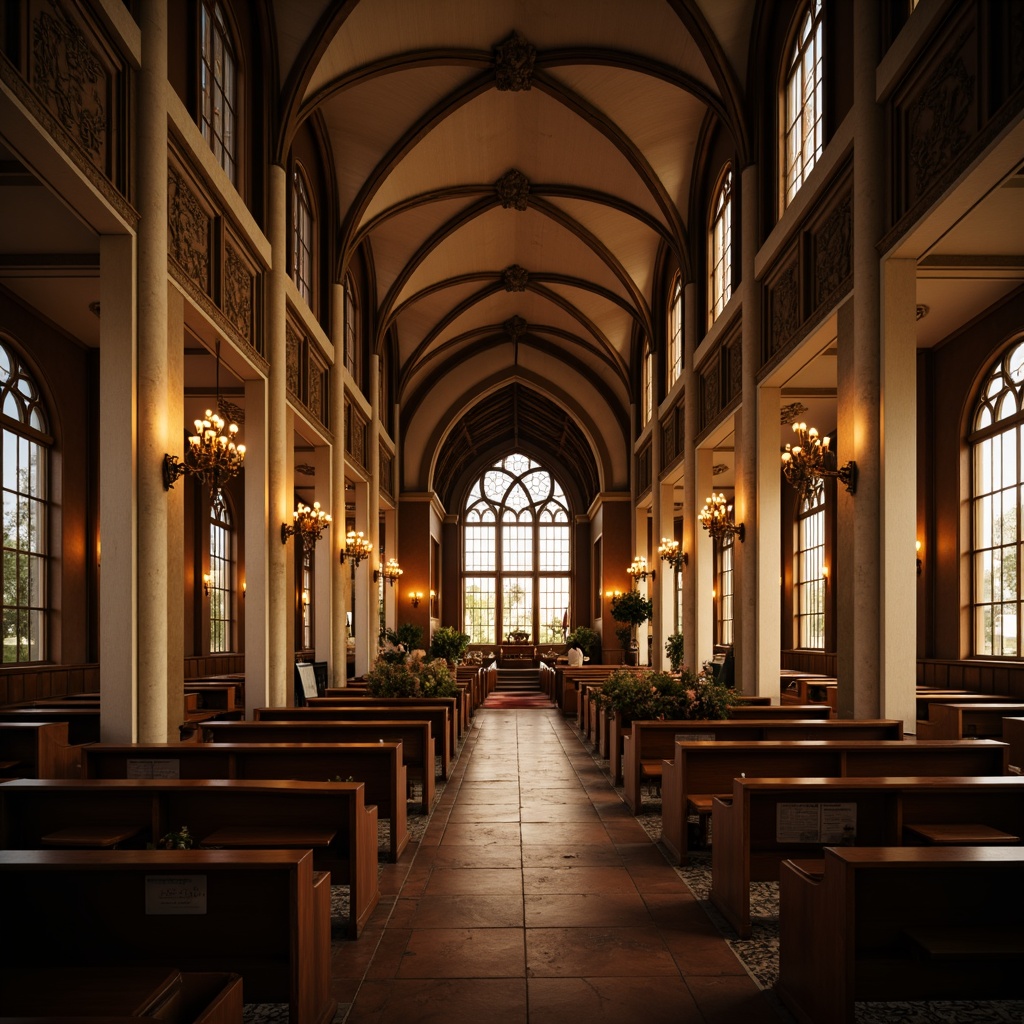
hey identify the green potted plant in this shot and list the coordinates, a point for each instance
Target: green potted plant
(674, 651)
(413, 676)
(449, 644)
(588, 641)
(632, 609)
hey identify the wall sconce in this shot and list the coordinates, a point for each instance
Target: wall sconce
(918, 544)
(638, 570)
(824, 574)
(213, 457)
(305, 598)
(716, 518)
(356, 548)
(416, 596)
(390, 571)
(805, 463)
(309, 524)
(207, 583)
(243, 590)
(612, 594)
(669, 551)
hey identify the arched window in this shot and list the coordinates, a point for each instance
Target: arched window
(26, 444)
(351, 331)
(647, 386)
(516, 554)
(724, 590)
(996, 441)
(302, 236)
(222, 577)
(218, 85)
(804, 101)
(308, 636)
(675, 332)
(720, 248)
(808, 571)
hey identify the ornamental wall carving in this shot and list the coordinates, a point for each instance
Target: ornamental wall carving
(513, 190)
(189, 230)
(513, 64)
(783, 298)
(643, 469)
(292, 354)
(386, 470)
(355, 434)
(669, 447)
(710, 392)
(832, 248)
(239, 284)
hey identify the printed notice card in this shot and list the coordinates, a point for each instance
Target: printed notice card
(175, 894)
(831, 823)
(154, 768)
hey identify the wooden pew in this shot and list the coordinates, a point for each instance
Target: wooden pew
(83, 722)
(700, 771)
(899, 923)
(968, 720)
(769, 820)
(357, 709)
(741, 713)
(416, 738)
(458, 708)
(924, 702)
(377, 765)
(101, 994)
(331, 818)
(1013, 736)
(36, 750)
(649, 744)
(262, 914)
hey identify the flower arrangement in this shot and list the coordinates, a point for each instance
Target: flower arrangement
(658, 695)
(449, 644)
(410, 675)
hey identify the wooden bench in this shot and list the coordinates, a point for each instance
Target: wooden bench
(57, 994)
(357, 709)
(879, 924)
(458, 708)
(967, 720)
(926, 699)
(260, 914)
(83, 722)
(416, 738)
(377, 765)
(617, 732)
(700, 771)
(650, 743)
(1013, 736)
(769, 820)
(31, 809)
(36, 750)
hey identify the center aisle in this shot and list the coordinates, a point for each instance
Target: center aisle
(535, 896)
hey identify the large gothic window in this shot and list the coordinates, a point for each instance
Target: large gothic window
(26, 442)
(351, 336)
(516, 554)
(675, 332)
(804, 101)
(222, 578)
(996, 441)
(720, 248)
(218, 86)
(809, 571)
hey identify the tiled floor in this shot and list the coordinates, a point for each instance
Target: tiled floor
(535, 896)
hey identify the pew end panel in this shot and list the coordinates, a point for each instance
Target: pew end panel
(870, 928)
(256, 913)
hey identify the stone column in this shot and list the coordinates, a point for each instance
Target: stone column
(257, 505)
(280, 486)
(322, 561)
(692, 627)
(340, 571)
(898, 493)
(858, 574)
(157, 432)
(118, 628)
(762, 600)
(373, 502)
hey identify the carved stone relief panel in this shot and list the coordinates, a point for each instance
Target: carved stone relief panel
(668, 438)
(189, 230)
(832, 249)
(293, 352)
(71, 75)
(386, 466)
(355, 435)
(643, 469)
(938, 113)
(783, 294)
(711, 392)
(237, 291)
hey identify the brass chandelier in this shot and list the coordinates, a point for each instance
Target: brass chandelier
(716, 518)
(805, 463)
(308, 523)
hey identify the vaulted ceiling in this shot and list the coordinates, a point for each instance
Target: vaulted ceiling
(516, 175)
